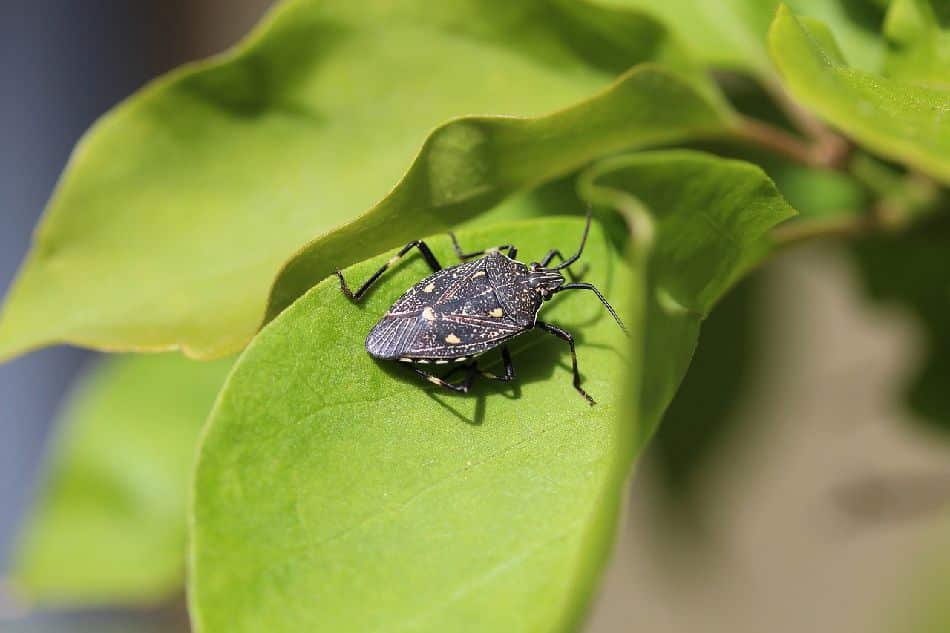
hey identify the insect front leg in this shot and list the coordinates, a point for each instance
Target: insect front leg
(556, 253)
(419, 244)
(566, 336)
(512, 251)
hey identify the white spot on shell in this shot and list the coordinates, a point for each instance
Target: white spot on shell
(441, 362)
(461, 359)
(497, 313)
(429, 288)
(480, 273)
(428, 313)
(406, 360)
(452, 339)
(434, 380)
(422, 361)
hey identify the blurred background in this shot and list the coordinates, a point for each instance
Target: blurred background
(819, 519)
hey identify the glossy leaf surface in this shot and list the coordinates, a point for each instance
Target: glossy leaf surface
(898, 120)
(179, 207)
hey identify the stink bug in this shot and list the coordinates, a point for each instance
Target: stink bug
(457, 313)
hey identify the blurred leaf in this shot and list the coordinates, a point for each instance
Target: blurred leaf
(919, 34)
(179, 207)
(855, 24)
(819, 193)
(702, 415)
(731, 34)
(728, 34)
(109, 524)
(913, 270)
(393, 506)
(922, 605)
(897, 120)
(713, 217)
(471, 164)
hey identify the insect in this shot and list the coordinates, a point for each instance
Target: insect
(457, 313)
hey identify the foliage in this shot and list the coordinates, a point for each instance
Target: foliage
(109, 524)
(208, 212)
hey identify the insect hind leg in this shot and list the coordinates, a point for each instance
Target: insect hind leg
(512, 251)
(473, 370)
(459, 387)
(418, 244)
(509, 374)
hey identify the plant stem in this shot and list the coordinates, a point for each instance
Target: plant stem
(774, 139)
(805, 121)
(847, 225)
(830, 152)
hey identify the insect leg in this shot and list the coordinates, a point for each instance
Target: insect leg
(564, 335)
(509, 374)
(426, 255)
(556, 253)
(463, 256)
(459, 387)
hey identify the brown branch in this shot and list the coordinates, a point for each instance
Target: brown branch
(884, 216)
(830, 152)
(805, 121)
(774, 139)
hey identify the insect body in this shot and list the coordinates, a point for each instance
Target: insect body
(460, 312)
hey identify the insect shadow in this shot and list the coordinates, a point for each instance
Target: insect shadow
(538, 360)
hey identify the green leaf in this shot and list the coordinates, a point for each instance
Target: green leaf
(109, 523)
(713, 217)
(897, 120)
(856, 24)
(913, 271)
(702, 416)
(728, 34)
(390, 506)
(921, 597)
(919, 34)
(469, 165)
(179, 207)
(731, 34)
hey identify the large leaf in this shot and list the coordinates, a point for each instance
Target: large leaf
(731, 34)
(179, 207)
(919, 34)
(109, 524)
(901, 121)
(469, 165)
(336, 493)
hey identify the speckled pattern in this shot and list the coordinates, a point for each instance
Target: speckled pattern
(458, 312)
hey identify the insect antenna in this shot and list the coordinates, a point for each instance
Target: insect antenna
(581, 285)
(573, 258)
